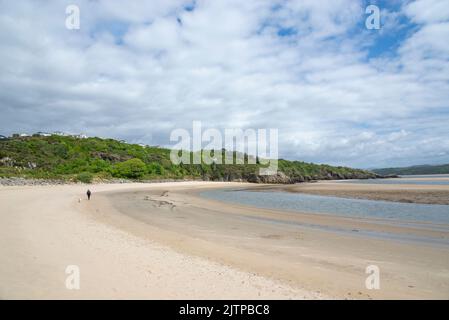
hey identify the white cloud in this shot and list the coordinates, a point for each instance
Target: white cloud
(428, 11)
(224, 64)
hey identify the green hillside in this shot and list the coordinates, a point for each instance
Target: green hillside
(423, 169)
(70, 158)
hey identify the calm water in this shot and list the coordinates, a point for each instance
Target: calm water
(409, 180)
(426, 176)
(334, 205)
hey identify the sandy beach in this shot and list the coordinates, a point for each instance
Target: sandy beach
(164, 241)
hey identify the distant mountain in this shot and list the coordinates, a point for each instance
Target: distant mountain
(422, 169)
(75, 158)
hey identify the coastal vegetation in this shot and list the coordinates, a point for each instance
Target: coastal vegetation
(413, 170)
(95, 159)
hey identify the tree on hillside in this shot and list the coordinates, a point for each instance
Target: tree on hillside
(132, 169)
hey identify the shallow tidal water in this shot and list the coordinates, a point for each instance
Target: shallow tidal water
(361, 208)
(398, 181)
(421, 216)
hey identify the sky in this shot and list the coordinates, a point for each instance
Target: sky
(338, 92)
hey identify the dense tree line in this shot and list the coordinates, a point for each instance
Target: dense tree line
(71, 158)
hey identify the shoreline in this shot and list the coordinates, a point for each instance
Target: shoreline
(248, 238)
(404, 193)
(126, 230)
(45, 229)
(26, 181)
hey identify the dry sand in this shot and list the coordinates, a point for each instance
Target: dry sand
(163, 241)
(45, 229)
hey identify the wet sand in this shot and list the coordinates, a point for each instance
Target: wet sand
(319, 253)
(407, 193)
(163, 241)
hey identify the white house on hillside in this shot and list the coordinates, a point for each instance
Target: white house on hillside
(60, 133)
(43, 134)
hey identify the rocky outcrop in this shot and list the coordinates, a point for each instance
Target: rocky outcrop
(388, 176)
(30, 182)
(282, 178)
(110, 156)
(7, 162)
(16, 181)
(279, 177)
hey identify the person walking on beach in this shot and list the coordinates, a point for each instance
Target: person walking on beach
(88, 194)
